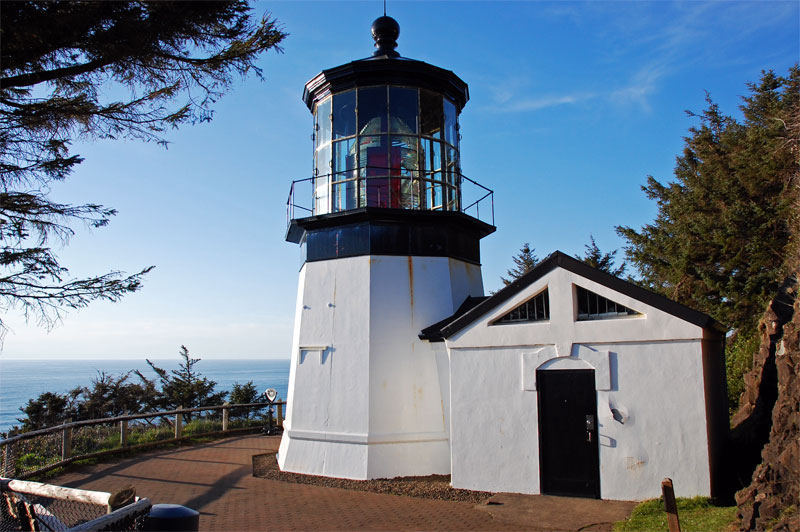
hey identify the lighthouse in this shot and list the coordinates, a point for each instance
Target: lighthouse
(390, 247)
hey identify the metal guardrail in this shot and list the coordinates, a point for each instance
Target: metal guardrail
(28, 454)
(473, 197)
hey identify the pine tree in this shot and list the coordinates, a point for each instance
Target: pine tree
(723, 229)
(243, 394)
(185, 387)
(602, 261)
(525, 261)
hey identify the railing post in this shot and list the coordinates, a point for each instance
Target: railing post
(179, 424)
(123, 432)
(66, 441)
(280, 413)
(225, 416)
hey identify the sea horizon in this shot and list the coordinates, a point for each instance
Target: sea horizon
(25, 379)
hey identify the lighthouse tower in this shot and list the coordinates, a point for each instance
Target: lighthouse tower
(389, 250)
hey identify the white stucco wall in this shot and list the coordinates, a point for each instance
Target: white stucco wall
(366, 396)
(648, 368)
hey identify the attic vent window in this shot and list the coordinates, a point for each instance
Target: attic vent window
(593, 306)
(534, 309)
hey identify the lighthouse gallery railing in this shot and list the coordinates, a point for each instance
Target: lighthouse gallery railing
(473, 198)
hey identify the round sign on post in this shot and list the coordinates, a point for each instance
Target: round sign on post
(271, 395)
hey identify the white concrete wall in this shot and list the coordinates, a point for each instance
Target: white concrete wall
(648, 368)
(327, 422)
(366, 395)
(493, 434)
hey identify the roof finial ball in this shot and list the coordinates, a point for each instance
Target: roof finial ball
(385, 31)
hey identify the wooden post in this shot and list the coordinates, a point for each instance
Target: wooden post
(225, 416)
(280, 413)
(123, 432)
(120, 498)
(178, 424)
(66, 441)
(670, 506)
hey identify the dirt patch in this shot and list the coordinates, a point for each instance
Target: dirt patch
(429, 487)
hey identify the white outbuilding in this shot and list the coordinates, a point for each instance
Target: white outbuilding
(567, 381)
(570, 381)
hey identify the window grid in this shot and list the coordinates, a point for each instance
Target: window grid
(535, 309)
(592, 306)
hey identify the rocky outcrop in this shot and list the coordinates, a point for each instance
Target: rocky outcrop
(771, 405)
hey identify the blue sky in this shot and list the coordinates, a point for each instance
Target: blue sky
(572, 105)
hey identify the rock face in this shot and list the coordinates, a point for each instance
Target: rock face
(771, 403)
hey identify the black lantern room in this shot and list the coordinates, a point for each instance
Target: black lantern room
(386, 177)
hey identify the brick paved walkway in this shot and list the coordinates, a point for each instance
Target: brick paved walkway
(216, 479)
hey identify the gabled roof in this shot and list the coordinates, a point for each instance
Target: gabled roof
(477, 307)
(433, 333)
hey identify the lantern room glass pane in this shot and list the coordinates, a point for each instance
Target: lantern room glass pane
(321, 185)
(322, 179)
(344, 195)
(431, 114)
(450, 123)
(431, 155)
(323, 162)
(451, 199)
(407, 155)
(436, 192)
(323, 133)
(344, 114)
(372, 110)
(451, 165)
(403, 110)
(424, 194)
(344, 159)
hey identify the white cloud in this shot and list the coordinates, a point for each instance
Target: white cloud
(536, 103)
(643, 83)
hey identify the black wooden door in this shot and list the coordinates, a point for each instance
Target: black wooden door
(568, 451)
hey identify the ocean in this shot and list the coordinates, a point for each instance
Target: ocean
(21, 380)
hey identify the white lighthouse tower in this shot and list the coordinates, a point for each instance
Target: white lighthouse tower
(389, 250)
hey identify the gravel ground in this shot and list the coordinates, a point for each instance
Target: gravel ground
(430, 487)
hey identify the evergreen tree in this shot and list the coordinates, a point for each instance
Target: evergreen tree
(59, 62)
(47, 410)
(185, 387)
(242, 394)
(602, 261)
(110, 396)
(723, 228)
(525, 261)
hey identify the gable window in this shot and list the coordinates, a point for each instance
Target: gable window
(593, 306)
(535, 309)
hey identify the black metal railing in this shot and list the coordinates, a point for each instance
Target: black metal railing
(461, 195)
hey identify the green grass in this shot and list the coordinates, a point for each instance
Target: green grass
(695, 515)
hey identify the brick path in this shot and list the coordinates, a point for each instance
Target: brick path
(216, 480)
